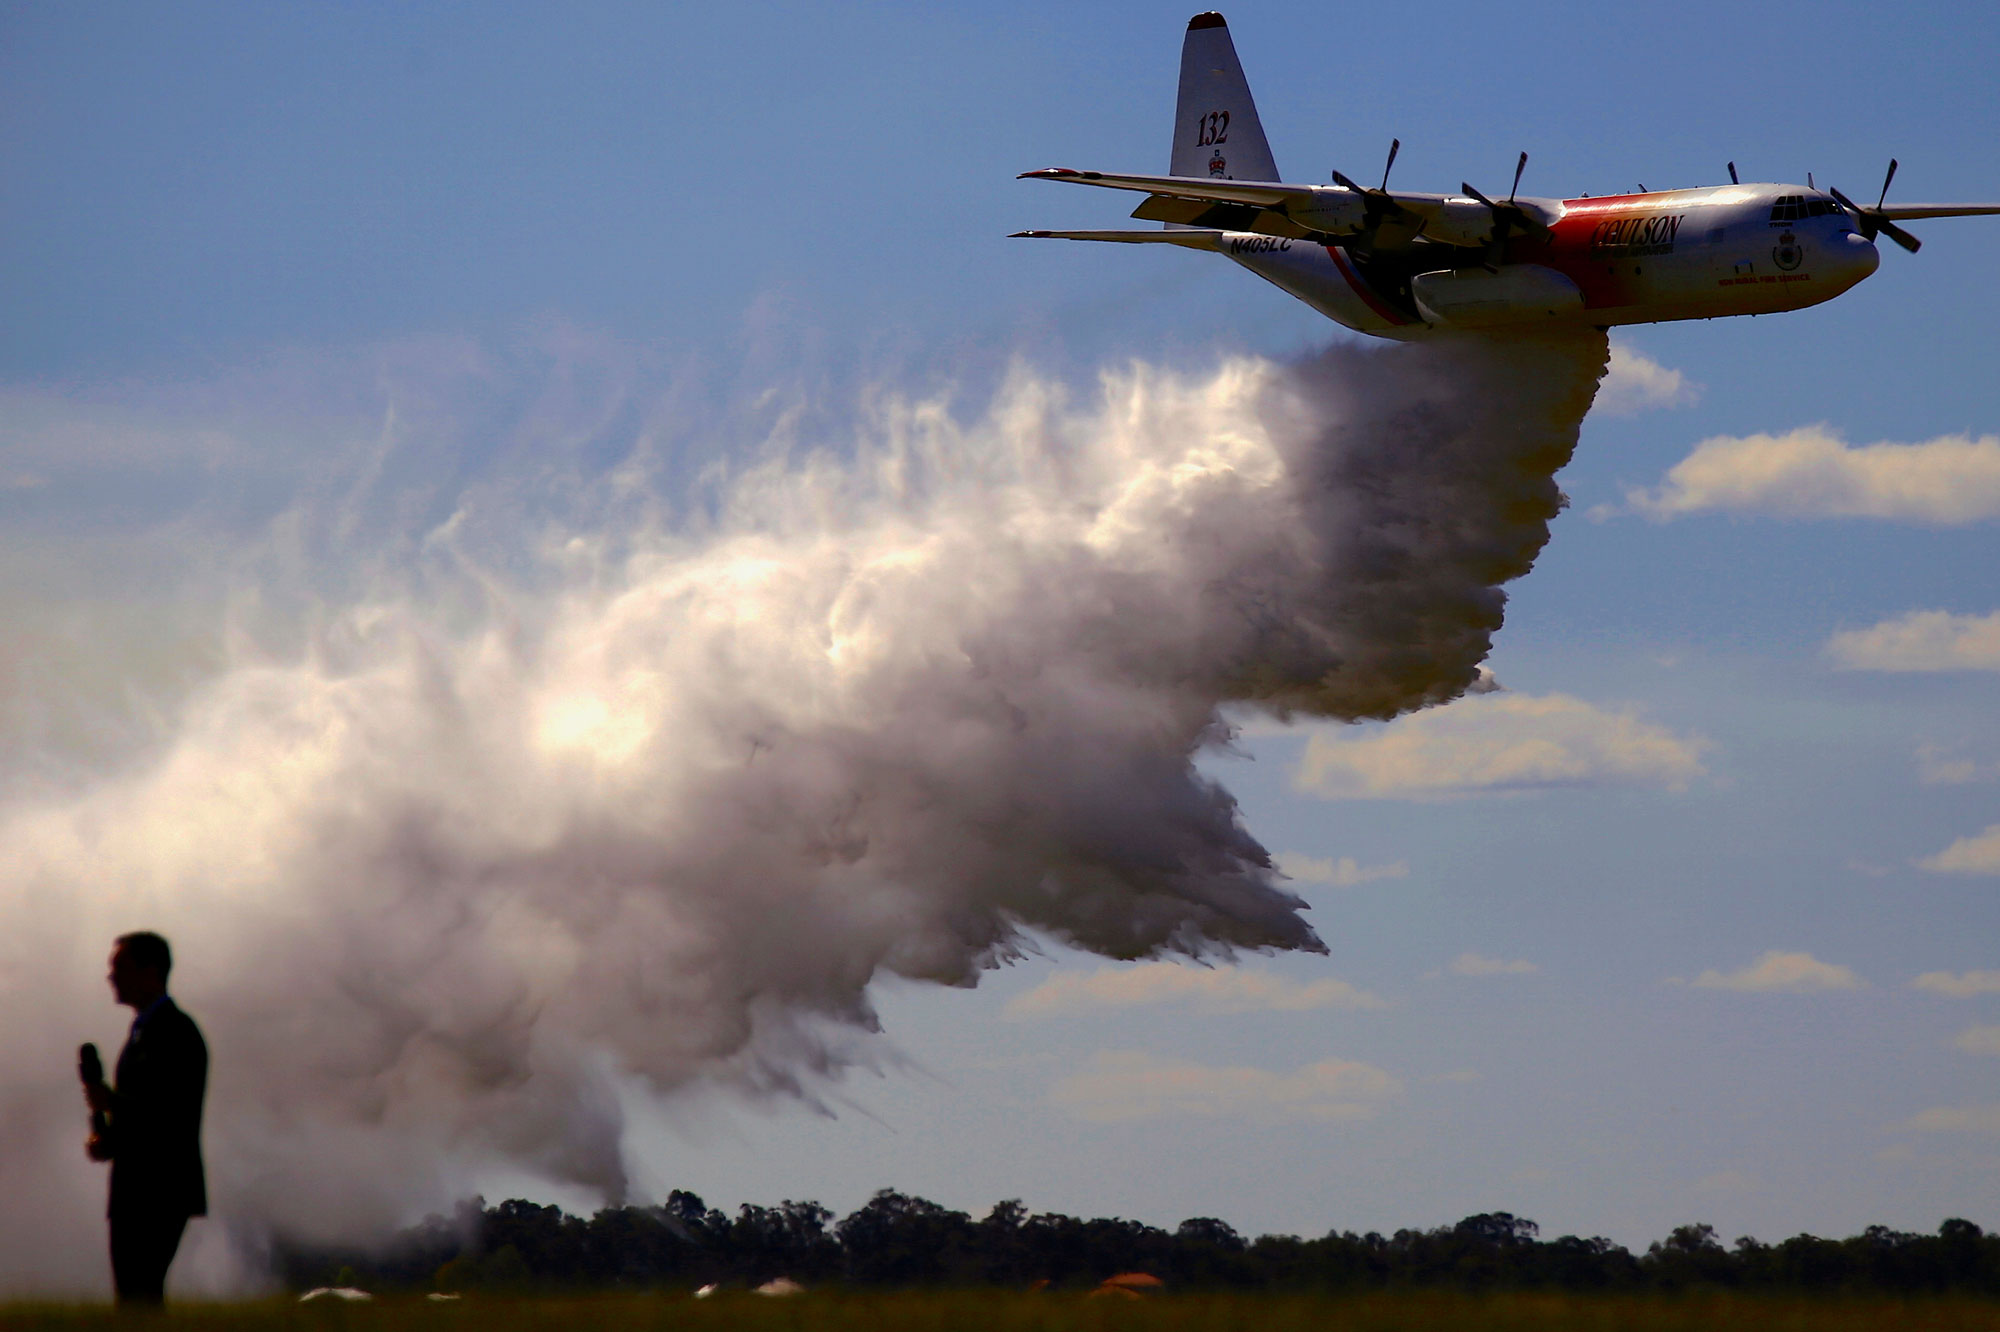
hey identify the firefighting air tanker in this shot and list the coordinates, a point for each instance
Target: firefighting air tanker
(1403, 265)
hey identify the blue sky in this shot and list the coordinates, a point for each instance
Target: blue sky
(273, 223)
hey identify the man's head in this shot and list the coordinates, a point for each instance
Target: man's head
(139, 966)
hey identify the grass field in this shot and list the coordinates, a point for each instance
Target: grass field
(1013, 1312)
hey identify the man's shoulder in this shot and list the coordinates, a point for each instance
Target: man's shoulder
(173, 1023)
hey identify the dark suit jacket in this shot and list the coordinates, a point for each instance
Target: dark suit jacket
(155, 1119)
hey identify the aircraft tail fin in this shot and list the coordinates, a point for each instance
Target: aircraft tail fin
(1216, 131)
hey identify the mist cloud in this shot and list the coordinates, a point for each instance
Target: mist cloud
(551, 800)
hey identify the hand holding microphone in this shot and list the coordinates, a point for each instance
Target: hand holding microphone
(90, 1069)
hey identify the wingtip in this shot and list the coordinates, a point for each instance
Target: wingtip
(1027, 235)
(1210, 19)
(1048, 173)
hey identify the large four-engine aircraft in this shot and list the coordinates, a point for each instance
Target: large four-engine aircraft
(1402, 265)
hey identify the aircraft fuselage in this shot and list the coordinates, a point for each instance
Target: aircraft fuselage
(1621, 259)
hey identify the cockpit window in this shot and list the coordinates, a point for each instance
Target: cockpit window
(1793, 207)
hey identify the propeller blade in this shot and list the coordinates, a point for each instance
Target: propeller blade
(1378, 206)
(1732, 175)
(1871, 222)
(1898, 235)
(1885, 183)
(1866, 219)
(1519, 167)
(1466, 187)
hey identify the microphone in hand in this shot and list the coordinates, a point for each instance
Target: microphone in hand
(90, 1069)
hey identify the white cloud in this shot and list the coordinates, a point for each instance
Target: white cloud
(1931, 640)
(1497, 742)
(1778, 972)
(1968, 855)
(1963, 985)
(1124, 1085)
(1956, 1119)
(1206, 989)
(1812, 473)
(1978, 1040)
(1938, 766)
(1346, 872)
(1636, 383)
(1472, 964)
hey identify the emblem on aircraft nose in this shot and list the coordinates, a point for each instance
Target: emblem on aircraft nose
(1216, 166)
(1787, 254)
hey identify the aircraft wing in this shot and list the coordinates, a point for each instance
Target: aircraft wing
(1911, 212)
(1318, 213)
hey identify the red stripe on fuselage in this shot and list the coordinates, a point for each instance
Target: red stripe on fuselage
(1609, 280)
(1362, 289)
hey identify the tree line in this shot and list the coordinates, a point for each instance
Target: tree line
(895, 1240)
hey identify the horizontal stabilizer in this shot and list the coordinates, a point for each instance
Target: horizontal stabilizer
(1187, 239)
(1264, 193)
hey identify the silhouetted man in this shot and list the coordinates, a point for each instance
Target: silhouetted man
(150, 1123)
